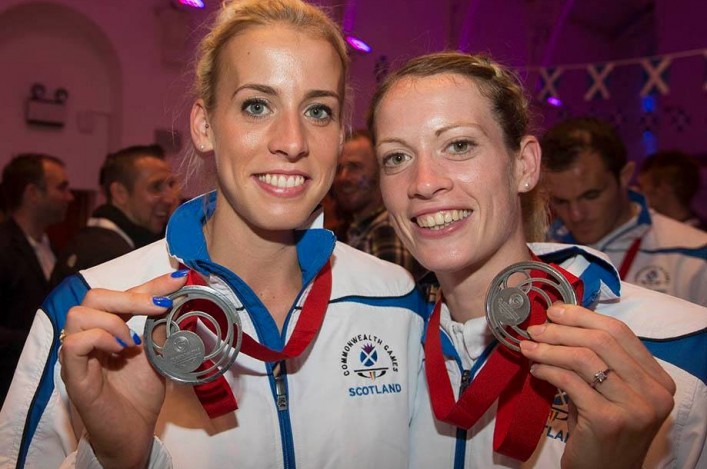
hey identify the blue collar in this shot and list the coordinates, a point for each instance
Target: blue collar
(598, 272)
(185, 239)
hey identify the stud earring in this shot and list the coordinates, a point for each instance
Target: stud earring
(527, 185)
(201, 147)
(206, 125)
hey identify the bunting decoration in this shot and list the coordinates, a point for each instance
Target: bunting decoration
(599, 76)
(655, 70)
(549, 76)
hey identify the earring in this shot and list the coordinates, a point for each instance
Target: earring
(206, 125)
(201, 147)
(527, 186)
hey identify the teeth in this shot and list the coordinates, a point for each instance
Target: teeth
(441, 219)
(281, 181)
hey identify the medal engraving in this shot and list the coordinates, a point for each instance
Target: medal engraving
(183, 352)
(195, 342)
(508, 307)
(512, 306)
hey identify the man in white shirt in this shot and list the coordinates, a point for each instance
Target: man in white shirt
(37, 195)
(587, 175)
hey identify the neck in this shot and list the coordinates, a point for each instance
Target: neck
(670, 207)
(628, 211)
(266, 261)
(465, 291)
(29, 224)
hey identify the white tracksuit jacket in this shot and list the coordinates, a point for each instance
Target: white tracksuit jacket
(338, 413)
(672, 258)
(675, 331)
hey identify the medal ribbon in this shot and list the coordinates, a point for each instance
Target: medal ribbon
(217, 396)
(629, 257)
(523, 401)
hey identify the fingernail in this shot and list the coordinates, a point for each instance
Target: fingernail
(533, 369)
(179, 273)
(528, 345)
(162, 301)
(556, 310)
(536, 330)
(120, 341)
(136, 337)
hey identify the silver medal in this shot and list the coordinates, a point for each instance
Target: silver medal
(507, 307)
(177, 354)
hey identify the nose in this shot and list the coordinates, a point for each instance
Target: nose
(428, 178)
(289, 136)
(575, 211)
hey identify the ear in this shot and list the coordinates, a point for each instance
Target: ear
(31, 193)
(201, 133)
(626, 174)
(527, 165)
(119, 194)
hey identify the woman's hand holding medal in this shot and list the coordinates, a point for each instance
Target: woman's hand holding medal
(114, 388)
(617, 390)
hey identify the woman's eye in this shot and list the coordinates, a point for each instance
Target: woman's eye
(460, 146)
(255, 107)
(319, 112)
(395, 159)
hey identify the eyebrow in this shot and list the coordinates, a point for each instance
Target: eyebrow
(446, 128)
(269, 90)
(254, 86)
(390, 140)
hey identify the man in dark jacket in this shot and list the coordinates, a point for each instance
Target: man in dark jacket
(37, 195)
(138, 186)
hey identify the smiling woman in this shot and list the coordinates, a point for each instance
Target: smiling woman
(328, 330)
(459, 170)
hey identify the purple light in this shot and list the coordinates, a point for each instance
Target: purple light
(358, 44)
(554, 101)
(192, 3)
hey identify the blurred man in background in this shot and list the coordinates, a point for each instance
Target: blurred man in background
(587, 174)
(37, 195)
(670, 180)
(138, 186)
(357, 193)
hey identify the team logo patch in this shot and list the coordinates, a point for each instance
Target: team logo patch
(653, 277)
(368, 356)
(556, 427)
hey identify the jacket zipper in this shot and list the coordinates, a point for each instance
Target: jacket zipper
(279, 378)
(460, 446)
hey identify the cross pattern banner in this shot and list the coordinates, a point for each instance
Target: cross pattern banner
(655, 70)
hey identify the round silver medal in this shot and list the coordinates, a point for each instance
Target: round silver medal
(507, 307)
(178, 354)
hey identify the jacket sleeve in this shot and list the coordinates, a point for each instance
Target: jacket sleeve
(37, 426)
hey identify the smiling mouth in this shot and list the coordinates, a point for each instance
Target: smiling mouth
(281, 181)
(441, 219)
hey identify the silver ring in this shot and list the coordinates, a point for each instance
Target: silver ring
(600, 377)
(62, 336)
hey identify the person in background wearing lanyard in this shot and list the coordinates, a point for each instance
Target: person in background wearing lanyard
(587, 176)
(459, 177)
(334, 389)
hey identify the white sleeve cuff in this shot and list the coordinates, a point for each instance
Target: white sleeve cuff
(86, 459)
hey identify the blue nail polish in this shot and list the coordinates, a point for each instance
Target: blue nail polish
(122, 344)
(162, 301)
(179, 273)
(136, 337)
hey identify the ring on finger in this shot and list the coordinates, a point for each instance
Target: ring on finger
(62, 336)
(600, 377)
